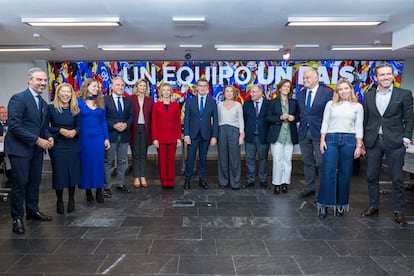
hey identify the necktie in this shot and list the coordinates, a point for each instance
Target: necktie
(257, 109)
(308, 100)
(201, 105)
(39, 105)
(256, 131)
(119, 106)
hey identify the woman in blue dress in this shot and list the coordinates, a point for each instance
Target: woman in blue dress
(94, 139)
(64, 127)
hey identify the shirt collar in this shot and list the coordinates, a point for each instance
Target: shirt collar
(389, 90)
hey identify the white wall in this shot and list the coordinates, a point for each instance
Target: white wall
(407, 78)
(13, 79)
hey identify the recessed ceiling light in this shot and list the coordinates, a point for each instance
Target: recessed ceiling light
(360, 47)
(222, 47)
(155, 47)
(336, 21)
(71, 21)
(25, 48)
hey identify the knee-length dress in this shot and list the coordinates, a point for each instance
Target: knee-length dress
(64, 155)
(92, 135)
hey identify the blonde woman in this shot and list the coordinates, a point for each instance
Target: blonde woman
(341, 142)
(64, 126)
(140, 131)
(230, 138)
(94, 139)
(166, 134)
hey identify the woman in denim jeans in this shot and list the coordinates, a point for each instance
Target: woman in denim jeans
(341, 142)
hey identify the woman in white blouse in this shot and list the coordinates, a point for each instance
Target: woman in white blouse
(341, 142)
(231, 137)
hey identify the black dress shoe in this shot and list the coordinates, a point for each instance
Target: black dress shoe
(122, 189)
(399, 218)
(187, 185)
(60, 209)
(18, 226)
(264, 185)
(276, 191)
(39, 216)
(284, 188)
(71, 206)
(247, 185)
(203, 184)
(306, 193)
(370, 212)
(322, 212)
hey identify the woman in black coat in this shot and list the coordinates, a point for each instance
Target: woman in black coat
(282, 116)
(64, 126)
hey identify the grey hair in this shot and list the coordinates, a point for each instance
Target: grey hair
(33, 70)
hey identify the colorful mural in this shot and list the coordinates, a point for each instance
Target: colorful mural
(183, 75)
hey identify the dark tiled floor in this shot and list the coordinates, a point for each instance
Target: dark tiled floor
(244, 232)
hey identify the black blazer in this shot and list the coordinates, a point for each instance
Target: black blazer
(249, 115)
(25, 125)
(312, 119)
(113, 117)
(275, 124)
(397, 121)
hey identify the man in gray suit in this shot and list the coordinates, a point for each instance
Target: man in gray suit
(26, 140)
(388, 127)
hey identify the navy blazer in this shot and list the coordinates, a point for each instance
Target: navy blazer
(113, 117)
(25, 125)
(249, 115)
(206, 124)
(275, 124)
(397, 121)
(312, 119)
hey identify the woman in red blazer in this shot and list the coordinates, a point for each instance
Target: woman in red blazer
(140, 131)
(166, 134)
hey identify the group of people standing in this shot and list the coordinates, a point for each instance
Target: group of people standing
(85, 133)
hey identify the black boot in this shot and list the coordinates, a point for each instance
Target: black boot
(71, 202)
(60, 209)
(99, 195)
(89, 196)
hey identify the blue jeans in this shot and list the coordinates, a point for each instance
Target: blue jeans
(336, 171)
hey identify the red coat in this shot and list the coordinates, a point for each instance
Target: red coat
(166, 124)
(147, 106)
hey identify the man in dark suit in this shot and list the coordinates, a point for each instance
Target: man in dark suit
(3, 132)
(200, 131)
(388, 128)
(26, 140)
(312, 100)
(255, 128)
(119, 117)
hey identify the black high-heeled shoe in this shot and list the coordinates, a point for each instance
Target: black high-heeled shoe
(60, 209)
(99, 195)
(284, 188)
(276, 191)
(89, 196)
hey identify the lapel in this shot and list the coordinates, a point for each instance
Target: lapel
(394, 96)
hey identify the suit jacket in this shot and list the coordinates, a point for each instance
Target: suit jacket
(312, 119)
(249, 115)
(397, 121)
(275, 124)
(205, 124)
(147, 109)
(25, 125)
(113, 117)
(166, 124)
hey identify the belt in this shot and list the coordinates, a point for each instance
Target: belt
(256, 134)
(381, 136)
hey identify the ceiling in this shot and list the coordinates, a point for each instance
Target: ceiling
(227, 22)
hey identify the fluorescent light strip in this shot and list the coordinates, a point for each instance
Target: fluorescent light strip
(74, 46)
(336, 21)
(360, 47)
(306, 46)
(160, 47)
(25, 48)
(72, 22)
(190, 45)
(261, 48)
(191, 20)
